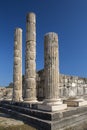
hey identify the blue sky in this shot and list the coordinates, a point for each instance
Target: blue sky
(68, 18)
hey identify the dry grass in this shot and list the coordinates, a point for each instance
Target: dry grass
(8, 123)
(21, 127)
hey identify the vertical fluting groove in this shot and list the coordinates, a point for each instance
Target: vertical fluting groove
(53, 80)
(17, 68)
(51, 67)
(52, 72)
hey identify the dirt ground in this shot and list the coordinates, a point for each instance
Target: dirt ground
(8, 123)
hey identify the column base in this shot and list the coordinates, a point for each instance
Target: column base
(75, 102)
(52, 101)
(50, 106)
(19, 100)
(7, 99)
(27, 100)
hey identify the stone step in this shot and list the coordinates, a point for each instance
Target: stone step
(35, 122)
(22, 104)
(49, 116)
(28, 111)
(75, 102)
(47, 125)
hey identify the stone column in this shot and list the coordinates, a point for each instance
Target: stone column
(51, 69)
(30, 61)
(17, 69)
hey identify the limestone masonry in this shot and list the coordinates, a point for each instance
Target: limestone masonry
(30, 59)
(51, 66)
(47, 99)
(17, 70)
(46, 84)
(51, 71)
(69, 86)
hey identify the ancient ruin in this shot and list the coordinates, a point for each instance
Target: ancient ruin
(51, 67)
(69, 87)
(17, 71)
(30, 60)
(42, 98)
(51, 71)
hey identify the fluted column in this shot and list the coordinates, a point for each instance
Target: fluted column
(30, 63)
(52, 102)
(51, 67)
(17, 69)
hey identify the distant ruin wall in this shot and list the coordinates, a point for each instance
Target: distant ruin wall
(70, 86)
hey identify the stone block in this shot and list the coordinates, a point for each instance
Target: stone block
(31, 36)
(30, 74)
(80, 90)
(85, 90)
(75, 102)
(72, 92)
(30, 82)
(52, 108)
(31, 18)
(31, 27)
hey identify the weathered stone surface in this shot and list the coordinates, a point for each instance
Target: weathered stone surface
(60, 120)
(52, 108)
(64, 89)
(51, 66)
(6, 93)
(75, 102)
(17, 70)
(69, 86)
(30, 61)
(51, 71)
(80, 90)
